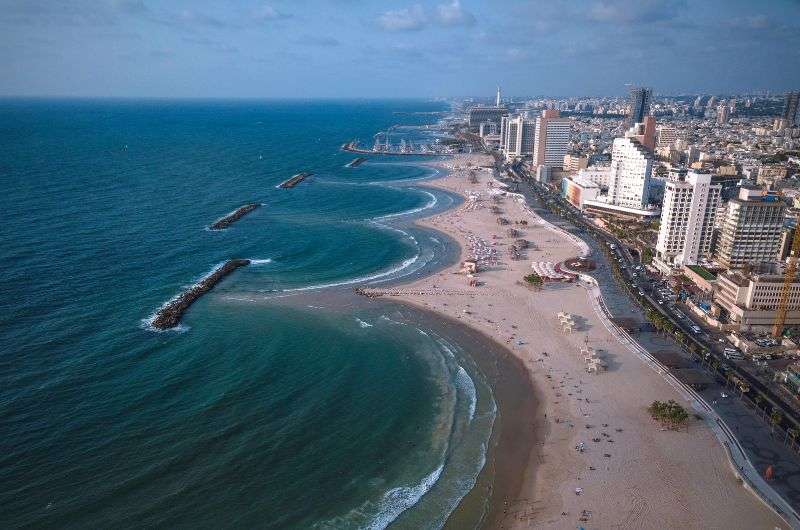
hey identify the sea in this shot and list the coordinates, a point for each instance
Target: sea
(283, 400)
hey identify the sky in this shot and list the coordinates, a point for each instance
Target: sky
(397, 48)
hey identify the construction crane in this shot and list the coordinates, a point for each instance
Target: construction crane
(786, 290)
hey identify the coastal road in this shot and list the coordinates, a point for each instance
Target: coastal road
(750, 438)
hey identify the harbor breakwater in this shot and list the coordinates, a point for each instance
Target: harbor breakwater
(169, 316)
(295, 180)
(234, 216)
(356, 162)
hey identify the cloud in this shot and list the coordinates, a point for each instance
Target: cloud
(407, 19)
(267, 12)
(416, 17)
(636, 11)
(453, 14)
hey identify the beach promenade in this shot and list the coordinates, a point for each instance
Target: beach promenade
(600, 461)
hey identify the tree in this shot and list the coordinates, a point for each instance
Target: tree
(669, 414)
(758, 399)
(775, 419)
(791, 433)
(534, 279)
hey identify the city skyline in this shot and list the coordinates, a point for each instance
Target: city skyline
(319, 48)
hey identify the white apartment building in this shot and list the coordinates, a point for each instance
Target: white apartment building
(520, 137)
(599, 175)
(631, 166)
(687, 218)
(552, 139)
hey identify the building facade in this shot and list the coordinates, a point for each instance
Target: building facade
(521, 137)
(751, 231)
(790, 108)
(552, 139)
(631, 167)
(577, 190)
(666, 136)
(639, 104)
(690, 207)
(478, 115)
(750, 301)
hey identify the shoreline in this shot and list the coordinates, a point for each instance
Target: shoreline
(509, 442)
(554, 484)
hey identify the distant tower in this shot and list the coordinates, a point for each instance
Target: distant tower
(640, 104)
(497, 99)
(790, 108)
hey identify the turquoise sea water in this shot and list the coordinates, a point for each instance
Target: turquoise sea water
(283, 401)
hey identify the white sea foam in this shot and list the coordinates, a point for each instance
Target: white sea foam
(260, 261)
(147, 323)
(463, 380)
(364, 279)
(430, 204)
(467, 385)
(397, 500)
(362, 323)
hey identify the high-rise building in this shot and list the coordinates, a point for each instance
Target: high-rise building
(666, 136)
(479, 114)
(722, 113)
(510, 143)
(631, 167)
(644, 133)
(639, 104)
(552, 139)
(687, 218)
(520, 138)
(751, 230)
(497, 98)
(575, 162)
(790, 108)
(487, 128)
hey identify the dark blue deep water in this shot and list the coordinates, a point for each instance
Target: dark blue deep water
(280, 402)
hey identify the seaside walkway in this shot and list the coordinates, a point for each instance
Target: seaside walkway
(740, 462)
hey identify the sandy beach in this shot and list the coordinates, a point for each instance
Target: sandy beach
(599, 460)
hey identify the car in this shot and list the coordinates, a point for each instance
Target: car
(721, 340)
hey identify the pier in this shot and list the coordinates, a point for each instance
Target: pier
(357, 162)
(169, 316)
(225, 222)
(295, 180)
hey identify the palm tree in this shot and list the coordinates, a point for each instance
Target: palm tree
(792, 433)
(758, 399)
(775, 419)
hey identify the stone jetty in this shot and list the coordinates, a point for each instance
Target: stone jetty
(295, 180)
(357, 161)
(169, 316)
(234, 216)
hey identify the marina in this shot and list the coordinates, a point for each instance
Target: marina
(404, 149)
(225, 222)
(295, 180)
